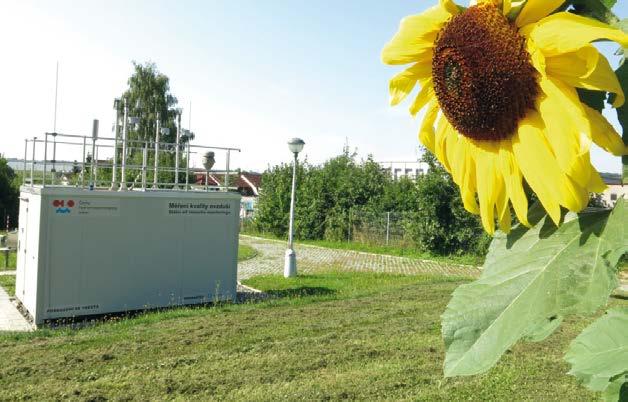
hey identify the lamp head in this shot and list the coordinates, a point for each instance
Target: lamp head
(296, 145)
(209, 160)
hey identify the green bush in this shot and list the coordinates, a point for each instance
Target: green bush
(9, 194)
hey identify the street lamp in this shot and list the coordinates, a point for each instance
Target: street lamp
(209, 160)
(116, 107)
(290, 262)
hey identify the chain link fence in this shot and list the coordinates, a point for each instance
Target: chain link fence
(373, 228)
(381, 229)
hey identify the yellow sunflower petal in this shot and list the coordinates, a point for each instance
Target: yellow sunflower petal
(426, 133)
(468, 183)
(565, 123)
(604, 134)
(450, 6)
(488, 181)
(442, 130)
(425, 95)
(586, 68)
(596, 184)
(415, 39)
(402, 84)
(503, 212)
(513, 181)
(507, 6)
(456, 165)
(535, 10)
(538, 165)
(536, 56)
(566, 32)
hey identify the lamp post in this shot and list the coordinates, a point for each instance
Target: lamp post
(124, 138)
(290, 262)
(176, 151)
(116, 107)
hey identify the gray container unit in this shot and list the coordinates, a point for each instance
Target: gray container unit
(84, 252)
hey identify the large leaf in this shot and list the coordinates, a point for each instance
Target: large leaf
(622, 113)
(593, 99)
(598, 9)
(599, 355)
(531, 279)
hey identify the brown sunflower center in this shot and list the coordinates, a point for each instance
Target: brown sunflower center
(483, 77)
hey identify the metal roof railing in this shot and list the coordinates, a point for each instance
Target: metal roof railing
(94, 173)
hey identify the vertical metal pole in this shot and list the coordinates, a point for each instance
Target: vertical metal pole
(387, 227)
(92, 176)
(187, 167)
(43, 184)
(228, 171)
(33, 163)
(25, 157)
(292, 202)
(96, 168)
(349, 228)
(144, 164)
(155, 173)
(54, 155)
(83, 167)
(115, 153)
(124, 134)
(176, 154)
(290, 258)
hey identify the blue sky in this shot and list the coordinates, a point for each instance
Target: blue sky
(256, 72)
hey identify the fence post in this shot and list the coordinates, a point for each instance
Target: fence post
(387, 227)
(349, 228)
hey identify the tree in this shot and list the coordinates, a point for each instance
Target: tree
(9, 194)
(148, 97)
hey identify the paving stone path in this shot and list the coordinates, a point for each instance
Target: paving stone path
(311, 258)
(10, 317)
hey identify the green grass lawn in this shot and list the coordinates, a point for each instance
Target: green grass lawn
(12, 261)
(8, 283)
(246, 252)
(329, 336)
(467, 259)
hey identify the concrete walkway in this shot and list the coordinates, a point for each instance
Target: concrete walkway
(312, 258)
(10, 317)
(7, 273)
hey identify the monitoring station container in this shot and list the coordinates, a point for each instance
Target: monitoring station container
(83, 252)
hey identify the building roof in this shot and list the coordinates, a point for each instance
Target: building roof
(612, 179)
(245, 180)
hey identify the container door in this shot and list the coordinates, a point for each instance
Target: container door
(22, 237)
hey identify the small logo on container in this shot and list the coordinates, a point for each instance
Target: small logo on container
(63, 206)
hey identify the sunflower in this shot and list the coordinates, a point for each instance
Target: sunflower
(499, 84)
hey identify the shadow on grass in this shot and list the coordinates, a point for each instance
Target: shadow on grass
(302, 291)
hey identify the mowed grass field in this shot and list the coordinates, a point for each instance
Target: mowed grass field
(12, 261)
(333, 335)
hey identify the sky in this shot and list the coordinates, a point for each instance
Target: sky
(256, 73)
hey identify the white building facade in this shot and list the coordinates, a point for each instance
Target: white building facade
(410, 169)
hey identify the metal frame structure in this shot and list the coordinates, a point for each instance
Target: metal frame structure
(145, 146)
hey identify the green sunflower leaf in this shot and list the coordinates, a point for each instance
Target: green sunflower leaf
(533, 278)
(593, 99)
(598, 9)
(622, 112)
(599, 355)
